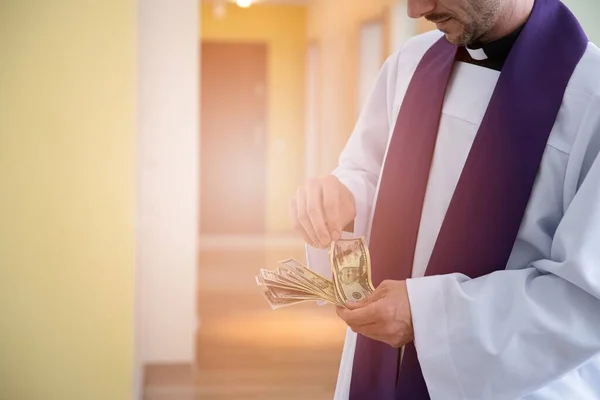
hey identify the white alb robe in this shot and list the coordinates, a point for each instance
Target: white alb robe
(533, 330)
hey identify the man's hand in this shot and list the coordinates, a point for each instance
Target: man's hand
(321, 209)
(384, 315)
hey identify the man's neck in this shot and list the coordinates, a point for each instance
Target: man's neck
(514, 14)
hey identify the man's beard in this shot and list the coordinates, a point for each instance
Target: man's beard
(476, 29)
(476, 32)
(463, 38)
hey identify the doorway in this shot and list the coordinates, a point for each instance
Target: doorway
(234, 138)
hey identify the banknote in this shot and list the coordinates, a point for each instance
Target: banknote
(313, 279)
(294, 282)
(283, 292)
(310, 287)
(277, 303)
(283, 280)
(351, 269)
(289, 276)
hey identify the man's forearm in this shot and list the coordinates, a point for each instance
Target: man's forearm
(475, 342)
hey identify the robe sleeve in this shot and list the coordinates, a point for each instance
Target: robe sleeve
(507, 334)
(361, 161)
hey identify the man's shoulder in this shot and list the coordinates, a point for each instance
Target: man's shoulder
(586, 77)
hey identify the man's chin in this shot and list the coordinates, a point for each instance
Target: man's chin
(453, 38)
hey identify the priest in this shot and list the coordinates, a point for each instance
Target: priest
(473, 172)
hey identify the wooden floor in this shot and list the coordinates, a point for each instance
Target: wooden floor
(245, 350)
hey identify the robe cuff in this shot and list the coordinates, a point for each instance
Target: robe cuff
(318, 261)
(427, 298)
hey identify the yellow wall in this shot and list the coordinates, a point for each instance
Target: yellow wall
(335, 31)
(283, 29)
(66, 196)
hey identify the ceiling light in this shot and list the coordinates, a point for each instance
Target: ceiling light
(244, 3)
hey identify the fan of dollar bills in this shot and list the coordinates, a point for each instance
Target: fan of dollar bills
(294, 283)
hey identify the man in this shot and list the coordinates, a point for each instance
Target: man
(474, 173)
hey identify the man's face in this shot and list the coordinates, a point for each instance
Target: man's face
(349, 276)
(463, 21)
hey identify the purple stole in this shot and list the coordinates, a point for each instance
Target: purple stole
(485, 213)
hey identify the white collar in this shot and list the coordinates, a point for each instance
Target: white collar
(477, 54)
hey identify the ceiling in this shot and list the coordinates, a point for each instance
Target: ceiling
(263, 1)
(283, 1)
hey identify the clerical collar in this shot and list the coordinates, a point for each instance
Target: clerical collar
(489, 55)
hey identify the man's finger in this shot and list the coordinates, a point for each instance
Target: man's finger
(297, 225)
(371, 331)
(362, 303)
(360, 316)
(371, 298)
(331, 208)
(303, 217)
(314, 206)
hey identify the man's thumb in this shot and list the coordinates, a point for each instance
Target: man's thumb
(371, 298)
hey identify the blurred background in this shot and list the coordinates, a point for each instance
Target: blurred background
(148, 150)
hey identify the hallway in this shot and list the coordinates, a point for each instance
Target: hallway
(245, 349)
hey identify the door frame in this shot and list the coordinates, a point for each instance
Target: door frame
(167, 49)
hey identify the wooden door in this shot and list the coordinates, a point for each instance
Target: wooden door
(233, 138)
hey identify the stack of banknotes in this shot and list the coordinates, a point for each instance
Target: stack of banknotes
(294, 283)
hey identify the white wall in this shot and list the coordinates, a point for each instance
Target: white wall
(402, 26)
(370, 60)
(168, 178)
(588, 12)
(312, 112)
